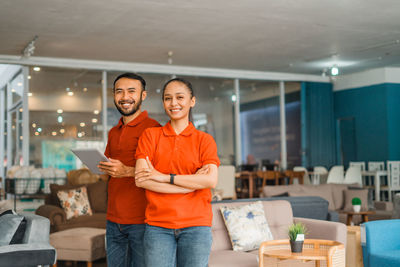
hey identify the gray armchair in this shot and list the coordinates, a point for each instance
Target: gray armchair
(35, 248)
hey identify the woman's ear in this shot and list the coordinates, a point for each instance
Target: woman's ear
(193, 101)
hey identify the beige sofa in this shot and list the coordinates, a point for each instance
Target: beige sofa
(279, 216)
(333, 193)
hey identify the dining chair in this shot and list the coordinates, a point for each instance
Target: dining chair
(393, 168)
(359, 164)
(306, 177)
(317, 173)
(353, 175)
(336, 175)
(376, 165)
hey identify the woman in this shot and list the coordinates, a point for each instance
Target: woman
(178, 213)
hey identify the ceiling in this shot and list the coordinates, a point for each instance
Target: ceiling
(286, 36)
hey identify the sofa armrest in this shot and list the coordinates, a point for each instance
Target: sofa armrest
(55, 214)
(319, 229)
(383, 205)
(27, 255)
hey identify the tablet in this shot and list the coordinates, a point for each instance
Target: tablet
(90, 157)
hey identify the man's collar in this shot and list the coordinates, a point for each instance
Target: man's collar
(142, 116)
(169, 131)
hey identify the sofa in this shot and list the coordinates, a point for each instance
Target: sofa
(279, 215)
(34, 249)
(312, 207)
(335, 195)
(97, 194)
(380, 242)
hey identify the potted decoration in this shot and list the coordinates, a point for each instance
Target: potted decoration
(296, 237)
(356, 202)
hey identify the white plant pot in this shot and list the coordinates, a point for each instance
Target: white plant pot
(357, 208)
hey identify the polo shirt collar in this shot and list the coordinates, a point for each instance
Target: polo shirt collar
(142, 116)
(169, 131)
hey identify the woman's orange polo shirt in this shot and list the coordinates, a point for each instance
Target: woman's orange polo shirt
(179, 154)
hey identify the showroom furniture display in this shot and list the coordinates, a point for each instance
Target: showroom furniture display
(381, 243)
(279, 216)
(97, 193)
(79, 244)
(34, 249)
(278, 253)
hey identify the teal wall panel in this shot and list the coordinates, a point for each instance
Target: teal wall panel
(393, 115)
(317, 125)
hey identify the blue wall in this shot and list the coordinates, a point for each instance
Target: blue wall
(317, 125)
(376, 113)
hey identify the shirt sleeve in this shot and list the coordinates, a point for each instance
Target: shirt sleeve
(208, 151)
(145, 146)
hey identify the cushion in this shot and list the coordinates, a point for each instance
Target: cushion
(324, 192)
(371, 205)
(97, 193)
(9, 224)
(247, 226)
(54, 188)
(75, 202)
(350, 194)
(270, 191)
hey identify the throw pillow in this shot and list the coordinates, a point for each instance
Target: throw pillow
(9, 224)
(75, 202)
(350, 194)
(316, 191)
(371, 205)
(247, 226)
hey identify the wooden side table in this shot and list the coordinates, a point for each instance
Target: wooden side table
(275, 252)
(364, 215)
(353, 248)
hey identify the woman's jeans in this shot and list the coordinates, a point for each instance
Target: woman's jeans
(125, 244)
(185, 247)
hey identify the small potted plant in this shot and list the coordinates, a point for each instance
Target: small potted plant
(296, 237)
(356, 202)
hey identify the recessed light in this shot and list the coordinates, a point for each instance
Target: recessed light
(13, 90)
(53, 133)
(59, 111)
(36, 133)
(30, 94)
(21, 110)
(94, 120)
(34, 125)
(39, 130)
(96, 111)
(70, 93)
(233, 98)
(82, 124)
(62, 131)
(29, 77)
(85, 89)
(21, 137)
(60, 119)
(19, 84)
(36, 68)
(334, 71)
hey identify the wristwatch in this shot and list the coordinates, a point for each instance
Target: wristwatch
(171, 178)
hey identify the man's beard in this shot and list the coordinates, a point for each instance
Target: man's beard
(135, 108)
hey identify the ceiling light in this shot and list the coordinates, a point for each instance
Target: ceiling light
(79, 135)
(19, 84)
(36, 133)
(94, 120)
(39, 130)
(21, 137)
(82, 124)
(13, 90)
(233, 98)
(34, 125)
(62, 131)
(20, 110)
(29, 77)
(53, 133)
(158, 90)
(60, 119)
(70, 93)
(68, 89)
(96, 111)
(59, 111)
(30, 94)
(85, 89)
(36, 68)
(334, 71)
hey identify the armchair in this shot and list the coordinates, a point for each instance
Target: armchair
(35, 248)
(380, 241)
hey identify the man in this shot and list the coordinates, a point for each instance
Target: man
(126, 202)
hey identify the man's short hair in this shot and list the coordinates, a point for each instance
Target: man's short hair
(133, 76)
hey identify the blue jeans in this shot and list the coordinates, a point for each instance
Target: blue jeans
(185, 247)
(125, 245)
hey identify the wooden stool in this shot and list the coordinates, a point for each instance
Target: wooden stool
(79, 244)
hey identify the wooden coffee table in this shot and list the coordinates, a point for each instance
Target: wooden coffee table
(364, 215)
(313, 250)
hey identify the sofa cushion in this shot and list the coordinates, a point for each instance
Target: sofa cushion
(350, 194)
(97, 193)
(271, 191)
(324, 192)
(9, 224)
(54, 188)
(75, 202)
(247, 226)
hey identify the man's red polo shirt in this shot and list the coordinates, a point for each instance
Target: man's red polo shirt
(126, 201)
